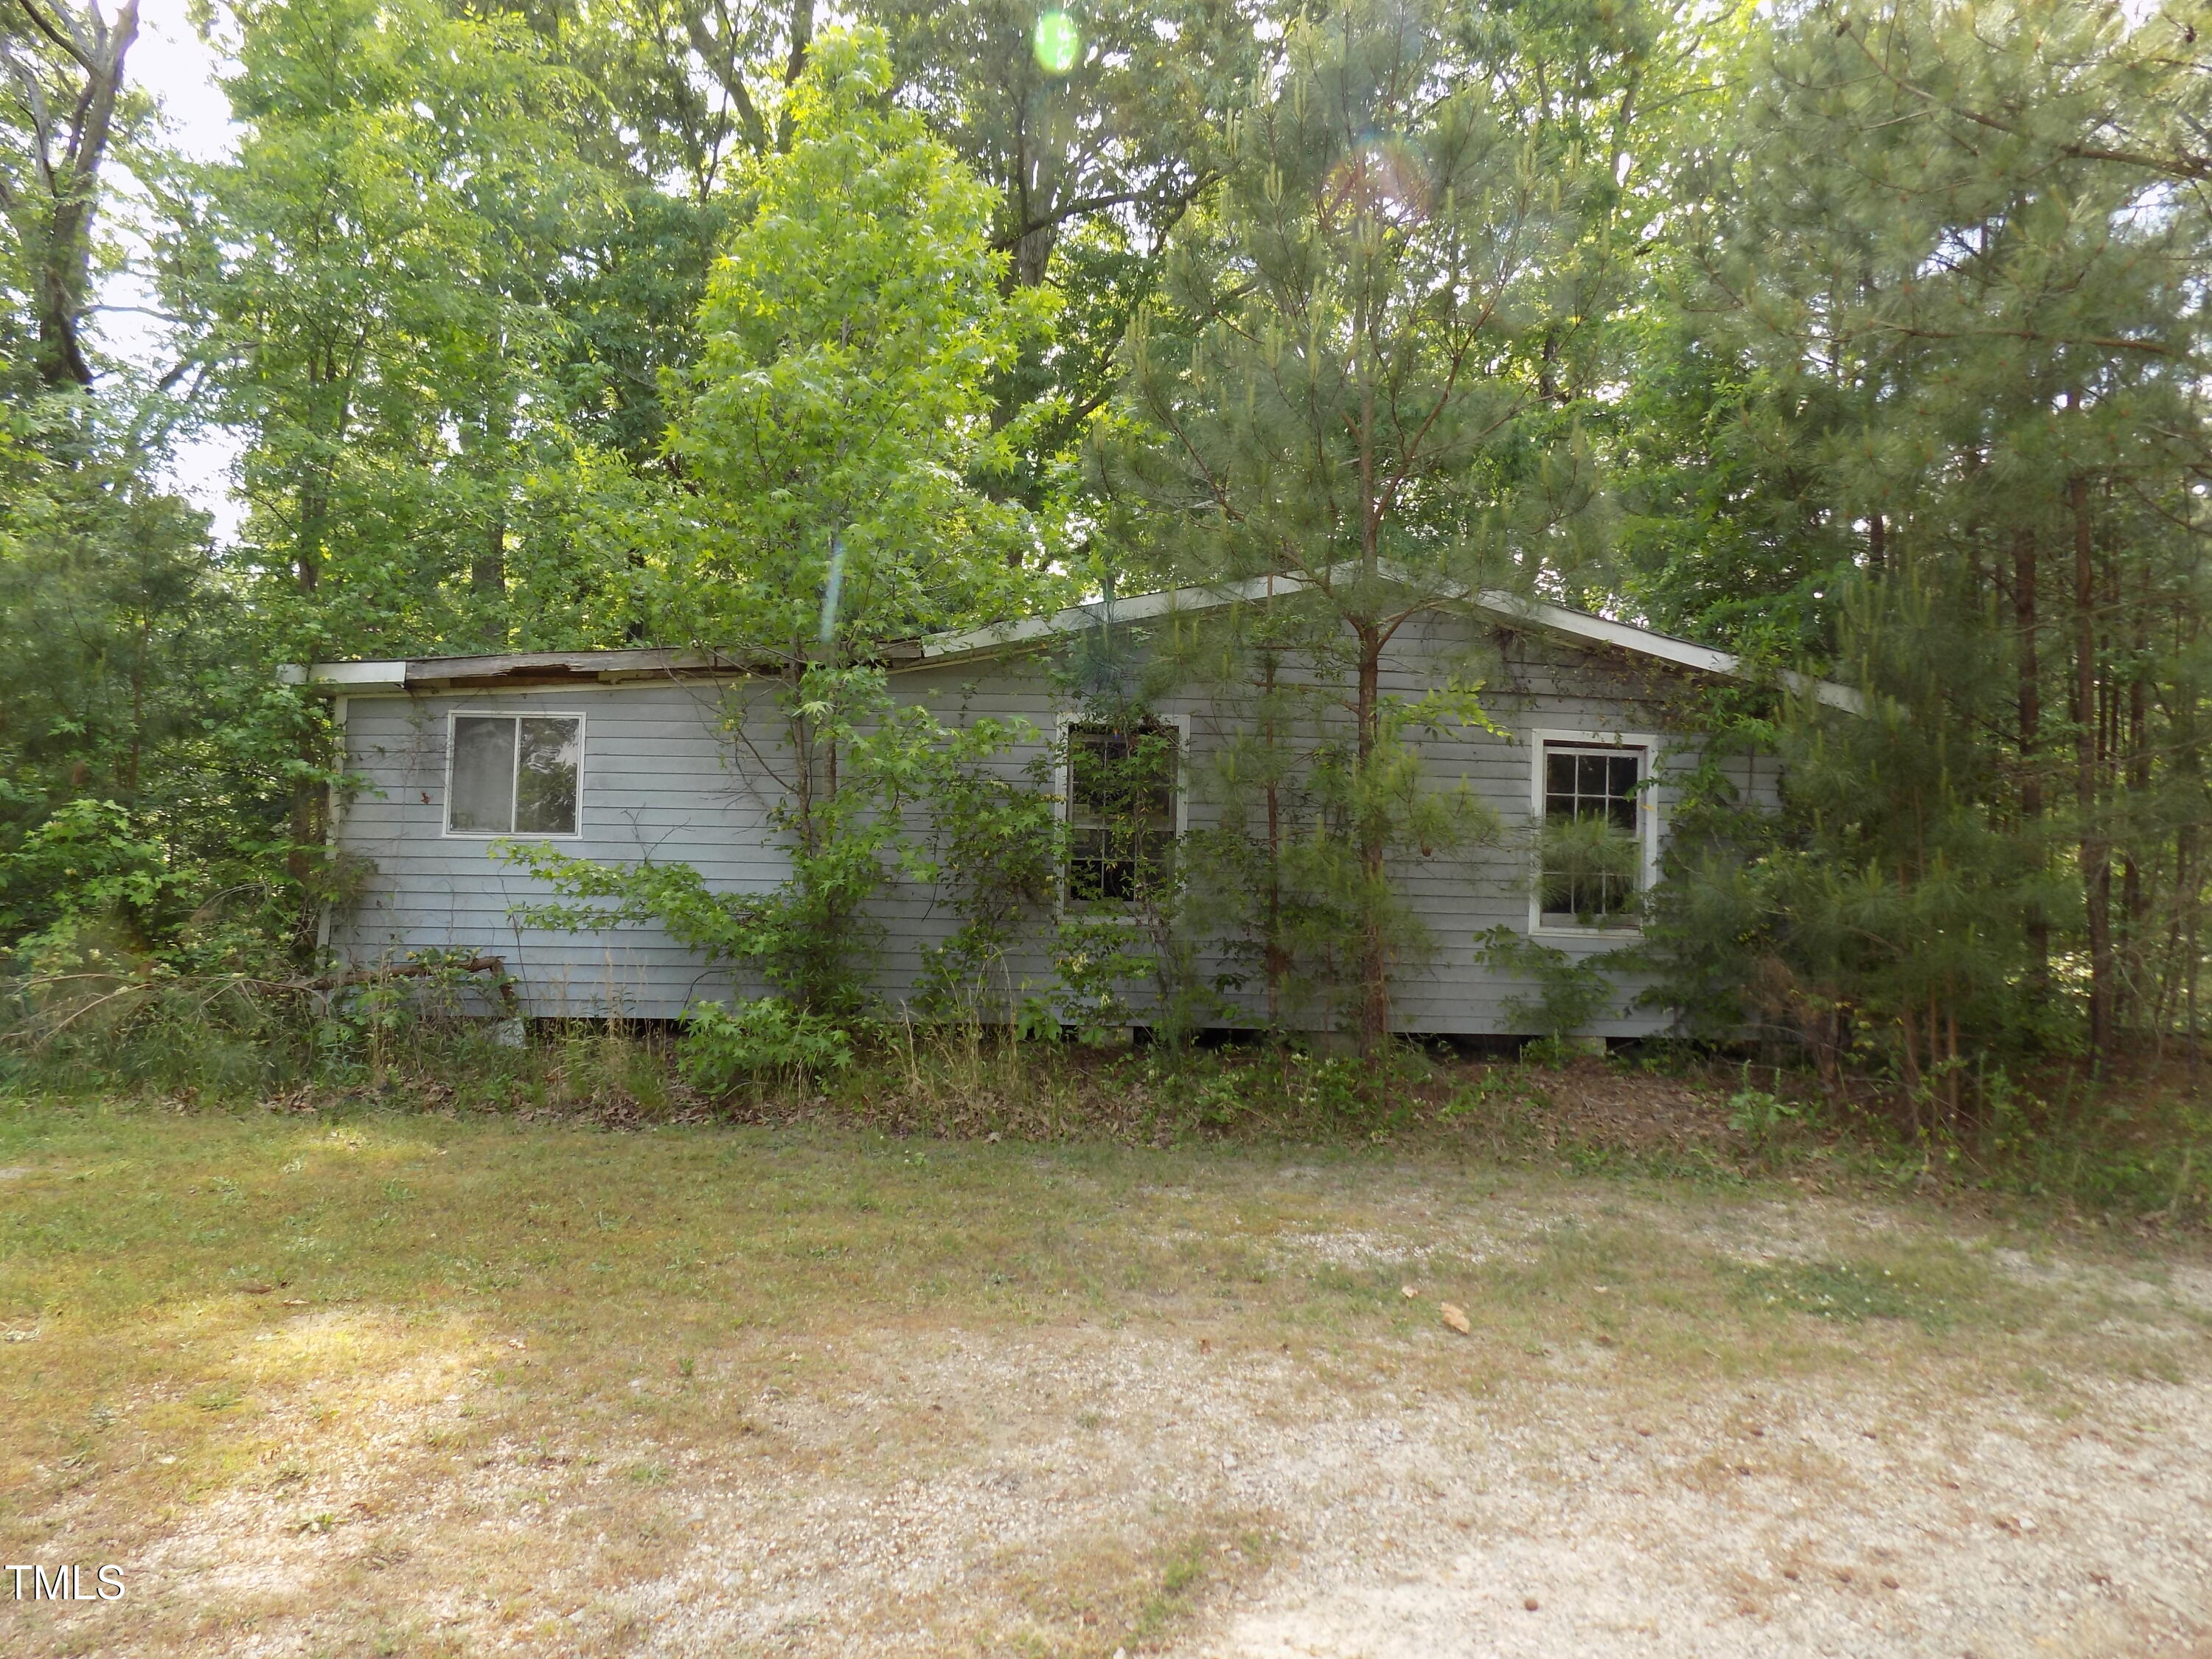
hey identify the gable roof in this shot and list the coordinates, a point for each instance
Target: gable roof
(1507, 607)
(554, 667)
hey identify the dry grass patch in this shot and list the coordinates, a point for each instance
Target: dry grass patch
(420, 1385)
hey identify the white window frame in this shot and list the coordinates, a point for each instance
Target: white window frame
(1064, 796)
(1647, 823)
(445, 804)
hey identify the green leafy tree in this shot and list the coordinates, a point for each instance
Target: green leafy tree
(135, 683)
(813, 938)
(841, 399)
(1094, 126)
(838, 408)
(67, 111)
(370, 281)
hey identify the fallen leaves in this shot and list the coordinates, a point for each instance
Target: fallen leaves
(1455, 1316)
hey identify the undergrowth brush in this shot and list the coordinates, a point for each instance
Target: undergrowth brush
(2138, 1147)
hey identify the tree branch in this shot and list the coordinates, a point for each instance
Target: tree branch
(722, 61)
(39, 21)
(1179, 199)
(2178, 165)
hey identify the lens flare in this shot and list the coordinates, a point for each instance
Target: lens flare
(1056, 41)
(1382, 177)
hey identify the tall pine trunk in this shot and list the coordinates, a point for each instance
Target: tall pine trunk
(2096, 852)
(1278, 958)
(1374, 939)
(2138, 1001)
(2025, 600)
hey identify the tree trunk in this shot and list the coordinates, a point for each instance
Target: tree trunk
(141, 645)
(308, 549)
(2096, 856)
(487, 571)
(2024, 603)
(2134, 988)
(1277, 959)
(61, 282)
(802, 42)
(309, 798)
(1374, 939)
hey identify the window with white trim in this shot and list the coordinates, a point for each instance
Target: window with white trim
(514, 774)
(1591, 841)
(1122, 812)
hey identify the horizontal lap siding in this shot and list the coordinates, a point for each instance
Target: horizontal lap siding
(1529, 684)
(915, 918)
(663, 779)
(1526, 684)
(660, 781)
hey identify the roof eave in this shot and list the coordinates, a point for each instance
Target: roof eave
(523, 670)
(976, 643)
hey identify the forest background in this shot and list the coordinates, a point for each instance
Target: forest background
(1870, 341)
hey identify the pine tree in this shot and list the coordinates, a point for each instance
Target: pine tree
(1345, 383)
(1963, 319)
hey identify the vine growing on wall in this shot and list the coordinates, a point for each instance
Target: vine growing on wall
(996, 843)
(862, 767)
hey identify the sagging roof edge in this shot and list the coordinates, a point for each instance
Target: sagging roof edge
(554, 667)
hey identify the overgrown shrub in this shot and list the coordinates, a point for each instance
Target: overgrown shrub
(756, 1042)
(1570, 991)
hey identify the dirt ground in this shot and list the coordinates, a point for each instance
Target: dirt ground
(1684, 1421)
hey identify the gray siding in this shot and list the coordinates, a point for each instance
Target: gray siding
(661, 779)
(665, 778)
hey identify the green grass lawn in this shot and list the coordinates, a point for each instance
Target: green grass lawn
(396, 1353)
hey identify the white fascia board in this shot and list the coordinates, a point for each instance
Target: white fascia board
(1511, 607)
(1626, 636)
(1705, 658)
(357, 677)
(372, 677)
(1138, 607)
(1649, 643)
(1851, 701)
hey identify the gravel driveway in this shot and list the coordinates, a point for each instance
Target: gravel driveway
(1209, 1407)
